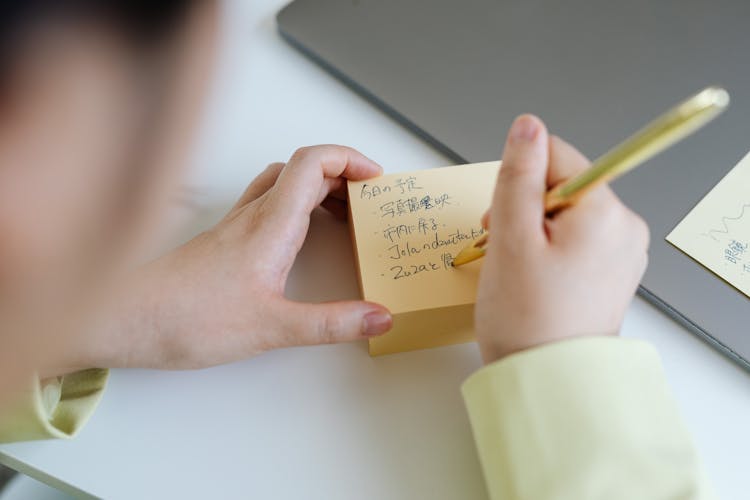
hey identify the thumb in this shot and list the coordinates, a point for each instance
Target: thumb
(518, 204)
(333, 322)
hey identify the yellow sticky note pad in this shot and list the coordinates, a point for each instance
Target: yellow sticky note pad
(716, 233)
(406, 229)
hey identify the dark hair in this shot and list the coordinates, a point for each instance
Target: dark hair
(140, 21)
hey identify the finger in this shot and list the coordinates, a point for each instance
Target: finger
(518, 203)
(486, 220)
(565, 161)
(338, 208)
(312, 173)
(337, 189)
(333, 322)
(596, 215)
(260, 185)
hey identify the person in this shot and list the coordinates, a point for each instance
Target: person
(100, 100)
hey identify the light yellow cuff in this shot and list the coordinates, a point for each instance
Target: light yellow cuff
(54, 408)
(585, 418)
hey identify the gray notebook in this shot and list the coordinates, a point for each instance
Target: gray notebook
(458, 72)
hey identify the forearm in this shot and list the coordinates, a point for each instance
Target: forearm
(135, 331)
(125, 334)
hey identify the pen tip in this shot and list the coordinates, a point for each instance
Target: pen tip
(467, 255)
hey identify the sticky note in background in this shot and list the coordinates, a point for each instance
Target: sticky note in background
(406, 229)
(716, 232)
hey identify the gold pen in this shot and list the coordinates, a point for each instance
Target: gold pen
(661, 133)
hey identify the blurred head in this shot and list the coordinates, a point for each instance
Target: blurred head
(98, 104)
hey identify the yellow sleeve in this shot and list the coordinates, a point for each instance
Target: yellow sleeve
(55, 408)
(582, 419)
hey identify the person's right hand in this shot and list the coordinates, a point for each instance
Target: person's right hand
(547, 279)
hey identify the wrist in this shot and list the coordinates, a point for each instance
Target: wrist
(124, 334)
(496, 347)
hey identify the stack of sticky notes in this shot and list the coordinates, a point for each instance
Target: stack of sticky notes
(406, 229)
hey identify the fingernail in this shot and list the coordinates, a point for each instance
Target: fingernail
(525, 128)
(376, 323)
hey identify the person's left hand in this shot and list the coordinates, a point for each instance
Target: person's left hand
(220, 297)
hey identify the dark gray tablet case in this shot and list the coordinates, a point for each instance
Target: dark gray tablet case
(457, 73)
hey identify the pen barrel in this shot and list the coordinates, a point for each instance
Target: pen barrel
(660, 134)
(555, 201)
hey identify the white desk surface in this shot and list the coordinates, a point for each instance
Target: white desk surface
(329, 422)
